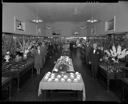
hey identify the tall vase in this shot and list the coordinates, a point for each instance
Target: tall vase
(25, 54)
(7, 57)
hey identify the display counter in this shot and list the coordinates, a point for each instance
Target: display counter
(109, 73)
(63, 77)
(17, 69)
(6, 83)
(125, 89)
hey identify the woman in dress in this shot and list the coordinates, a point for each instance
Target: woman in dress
(43, 53)
(37, 59)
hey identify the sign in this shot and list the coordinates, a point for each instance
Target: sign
(110, 24)
(19, 25)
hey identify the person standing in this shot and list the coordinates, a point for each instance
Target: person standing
(87, 52)
(43, 53)
(50, 50)
(94, 60)
(37, 59)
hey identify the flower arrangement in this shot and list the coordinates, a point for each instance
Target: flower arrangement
(63, 64)
(116, 53)
(64, 60)
(25, 47)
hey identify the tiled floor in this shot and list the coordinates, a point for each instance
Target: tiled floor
(94, 90)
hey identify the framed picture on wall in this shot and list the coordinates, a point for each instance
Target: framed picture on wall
(18, 24)
(110, 24)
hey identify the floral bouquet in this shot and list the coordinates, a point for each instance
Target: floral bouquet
(113, 56)
(116, 54)
(65, 60)
(25, 47)
(63, 64)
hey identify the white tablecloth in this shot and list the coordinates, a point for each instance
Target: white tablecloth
(45, 85)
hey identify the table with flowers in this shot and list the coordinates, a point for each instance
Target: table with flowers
(111, 66)
(17, 69)
(62, 78)
(112, 72)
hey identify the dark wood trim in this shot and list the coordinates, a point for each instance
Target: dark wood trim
(17, 34)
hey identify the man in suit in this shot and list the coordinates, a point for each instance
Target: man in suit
(50, 50)
(94, 60)
(71, 46)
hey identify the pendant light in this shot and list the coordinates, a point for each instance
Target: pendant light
(37, 21)
(92, 20)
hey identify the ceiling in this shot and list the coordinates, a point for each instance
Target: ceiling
(78, 12)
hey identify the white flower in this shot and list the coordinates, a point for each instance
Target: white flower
(25, 46)
(114, 48)
(26, 51)
(114, 53)
(122, 54)
(117, 52)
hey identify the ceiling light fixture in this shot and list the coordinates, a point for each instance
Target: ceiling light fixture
(37, 20)
(92, 20)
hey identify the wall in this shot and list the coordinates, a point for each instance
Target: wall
(20, 11)
(65, 28)
(120, 10)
